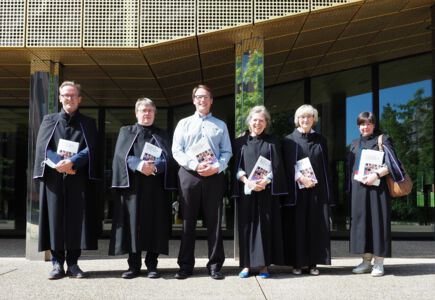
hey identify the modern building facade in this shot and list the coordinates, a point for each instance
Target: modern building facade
(341, 56)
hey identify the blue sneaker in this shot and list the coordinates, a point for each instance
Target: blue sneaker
(244, 274)
(264, 275)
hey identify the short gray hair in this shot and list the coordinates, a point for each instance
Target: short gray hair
(144, 102)
(306, 109)
(77, 86)
(259, 109)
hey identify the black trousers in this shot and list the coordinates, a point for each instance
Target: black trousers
(134, 260)
(72, 256)
(204, 193)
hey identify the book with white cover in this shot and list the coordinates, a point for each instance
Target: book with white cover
(202, 152)
(261, 169)
(306, 169)
(370, 161)
(50, 163)
(150, 152)
(66, 148)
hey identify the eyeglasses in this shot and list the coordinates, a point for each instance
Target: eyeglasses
(69, 96)
(306, 117)
(202, 97)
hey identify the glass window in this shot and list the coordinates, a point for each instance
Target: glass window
(339, 98)
(282, 102)
(13, 165)
(405, 109)
(354, 106)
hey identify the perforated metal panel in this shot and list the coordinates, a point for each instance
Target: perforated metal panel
(54, 23)
(111, 23)
(319, 4)
(220, 14)
(268, 9)
(12, 23)
(165, 20)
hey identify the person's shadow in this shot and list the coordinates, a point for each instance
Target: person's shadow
(165, 273)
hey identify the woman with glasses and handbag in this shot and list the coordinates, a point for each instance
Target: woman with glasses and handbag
(370, 231)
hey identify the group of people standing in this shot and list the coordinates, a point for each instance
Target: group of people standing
(283, 216)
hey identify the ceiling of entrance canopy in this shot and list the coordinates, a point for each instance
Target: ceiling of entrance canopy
(299, 42)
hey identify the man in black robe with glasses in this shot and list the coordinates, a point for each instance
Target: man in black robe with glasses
(65, 165)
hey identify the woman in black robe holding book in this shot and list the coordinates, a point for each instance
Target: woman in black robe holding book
(306, 209)
(370, 232)
(258, 206)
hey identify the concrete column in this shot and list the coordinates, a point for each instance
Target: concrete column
(43, 99)
(249, 92)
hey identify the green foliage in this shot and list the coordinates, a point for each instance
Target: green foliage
(410, 127)
(249, 86)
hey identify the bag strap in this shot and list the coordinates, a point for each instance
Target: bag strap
(355, 145)
(380, 145)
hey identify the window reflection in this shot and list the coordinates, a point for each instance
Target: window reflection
(282, 102)
(13, 165)
(339, 97)
(355, 105)
(405, 108)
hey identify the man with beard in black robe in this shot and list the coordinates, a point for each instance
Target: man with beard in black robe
(67, 212)
(142, 213)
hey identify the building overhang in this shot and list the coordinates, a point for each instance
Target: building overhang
(297, 46)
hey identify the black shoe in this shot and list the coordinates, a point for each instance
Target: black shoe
(182, 274)
(58, 272)
(217, 275)
(130, 274)
(74, 271)
(153, 274)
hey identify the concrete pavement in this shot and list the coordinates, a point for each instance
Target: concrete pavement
(409, 275)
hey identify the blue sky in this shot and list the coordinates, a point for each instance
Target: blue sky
(394, 95)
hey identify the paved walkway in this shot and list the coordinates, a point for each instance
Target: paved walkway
(409, 275)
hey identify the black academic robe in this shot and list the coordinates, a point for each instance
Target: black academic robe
(306, 211)
(370, 226)
(67, 219)
(142, 212)
(258, 214)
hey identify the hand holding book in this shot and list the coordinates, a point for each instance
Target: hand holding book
(306, 182)
(148, 168)
(369, 164)
(307, 178)
(260, 176)
(371, 179)
(63, 166)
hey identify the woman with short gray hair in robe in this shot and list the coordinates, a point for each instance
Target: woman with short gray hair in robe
(258, 202)
(306, 209)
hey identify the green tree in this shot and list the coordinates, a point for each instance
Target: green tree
(410, 127)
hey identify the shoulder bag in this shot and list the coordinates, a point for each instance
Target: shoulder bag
(397, 189)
